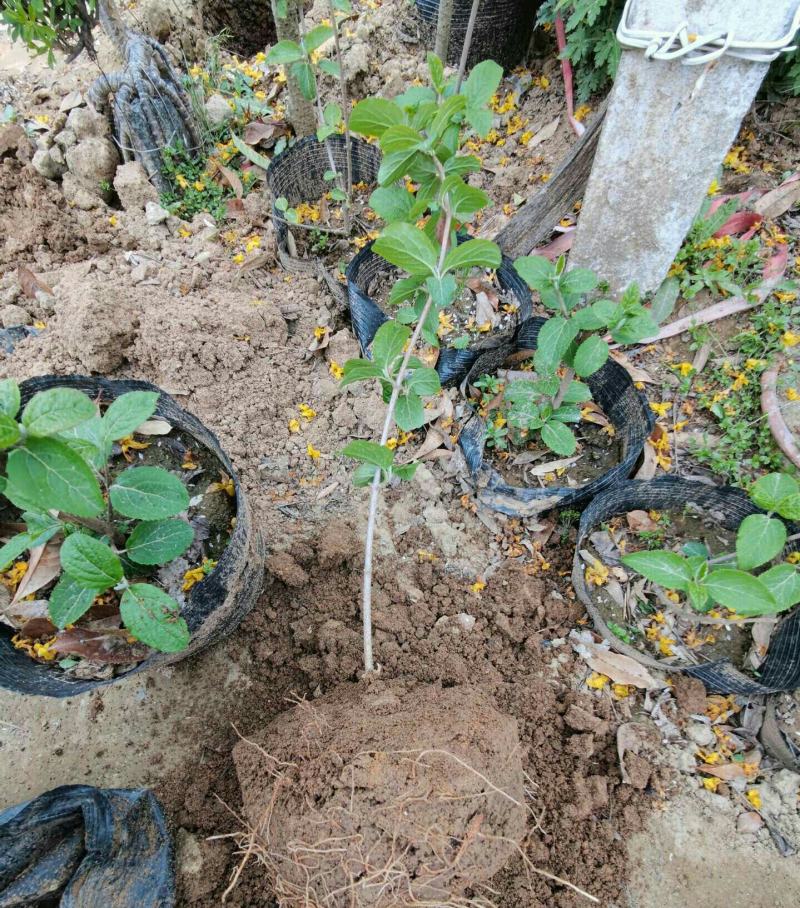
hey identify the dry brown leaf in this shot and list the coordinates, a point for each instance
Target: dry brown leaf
(320, 343)
(621, 669)
(44, 565)
(770, 407)
(545, 133)
(639, 521)
(154, 427)
(31, 285)
(484, 310)
(635, 372)
(433, 440)
(749, 823)
(590, 412)
(234, 209)
(725, 771)
(552, 465)
(232, 178)
(777, 201)
(328, 490)
(479, 284)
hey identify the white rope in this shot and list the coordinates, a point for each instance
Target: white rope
(693, 49)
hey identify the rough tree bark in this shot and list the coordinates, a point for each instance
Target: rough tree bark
(300, 111)
(443, 23)
(534, 222)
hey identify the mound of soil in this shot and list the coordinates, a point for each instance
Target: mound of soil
(384, 795)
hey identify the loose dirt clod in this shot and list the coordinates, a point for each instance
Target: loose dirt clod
(383, 796)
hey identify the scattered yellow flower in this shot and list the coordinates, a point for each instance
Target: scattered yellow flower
(785, 296)
(40, 325)
(195, 575)
(711, 783)
(661, 409)
(735, 160)
(793, 558)
(525, 137)
(754, 797)
(312, 452)
(685, 370)
(306, 412)
(336, 370)
(713, 188)
(238, 258)
(596, 573)
(478, 586)
(199, 185)
(582, 112)
(129, 444)
(113, 220)
(597, 681)
(225, 484)
(181, 180)
(14, 574)
(42, 118)
(542, 82)
(294, 426)
(790, 339)
(665, 646)
(621, 690)
(189, 463)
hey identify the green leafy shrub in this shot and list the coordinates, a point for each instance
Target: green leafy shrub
(729, 580)
(46, 24)
(115, 530)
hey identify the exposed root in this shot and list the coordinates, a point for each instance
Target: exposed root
(339, 867)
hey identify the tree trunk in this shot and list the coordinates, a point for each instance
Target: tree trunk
(534, 222)
(443, 23)
(301, 112)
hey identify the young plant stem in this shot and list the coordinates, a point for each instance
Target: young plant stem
(96, 526)
(462, 63)
(348, 144)
(366, 594)
(566, 381)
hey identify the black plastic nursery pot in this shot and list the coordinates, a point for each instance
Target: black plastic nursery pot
(727, 506)
(214, 606)
(87, 846)
(612, 390)
(298, 175)
(367, 316)
(503, 29)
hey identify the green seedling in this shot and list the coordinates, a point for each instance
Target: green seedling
(115, 530)
(752, 581)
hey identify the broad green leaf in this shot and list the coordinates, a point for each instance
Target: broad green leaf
(664, 300)
(400, 138)
(424, 381)
(436, 69)
(9, 431)
(47, 474)
(332, 114)
(405, 471)
(331, 67)
(251, 154)
(783, 581)
(464, 200)
(635, 329)
(758, 540)
(404, 289)
(479, 119)
(69, 601)
(770, 489)
(317, 36)
(281, 8)
(590, 356)
(159, 541)
(373, 116)
(567, 413)
(9, 397)
(324, 131)
(698, 596)
(303, 74)
(408, 248)
(392, 203)
(741, 592)
(284, 52)
(462, 164)
(52, 411)
(370, 453)
(442, 290)
(364, 475)
(444, 116)
(387, 347)
(577, 393)
(148, 493)
(526, 390)
(88, 439)
(394, 166)
(578, 282)
(473, 253)
(535, 270)
(12, 549)
(559, 438)
(154, 618)
(695, 549)
(789, 507)
(667, 569)
(359, 370)
(598, 315)
(482, 83)
(555, 337)
(90, 562)
(409, 413)
(128, 412)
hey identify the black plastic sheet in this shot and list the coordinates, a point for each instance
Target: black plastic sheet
(728, 506)
(87, 848)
